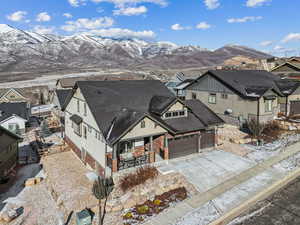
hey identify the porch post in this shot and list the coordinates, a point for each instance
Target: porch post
(114, 159)
(152, 153)
(166, 147)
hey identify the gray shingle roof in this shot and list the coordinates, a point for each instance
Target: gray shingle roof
(8, 109)
(247, 83)
(62, 95)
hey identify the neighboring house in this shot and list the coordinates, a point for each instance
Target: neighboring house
(58, 101)
(238, 95)
(42, 110)
(289, 68)
(122, 124)
(68, 83)
(290, 102)
(12, 95)
(14, 116)
(8, 151)
(177, 84)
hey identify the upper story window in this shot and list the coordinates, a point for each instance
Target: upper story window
(212, 98)
(175, 114)
(77, 128)
(85, 132)
(85, 109)
(194, 95)
(224, 96)
(143, 124)
(78, 105)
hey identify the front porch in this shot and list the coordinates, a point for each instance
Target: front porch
(137, 152)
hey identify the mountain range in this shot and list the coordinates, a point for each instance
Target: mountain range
(25, 51)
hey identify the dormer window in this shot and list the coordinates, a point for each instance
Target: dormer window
(175, 114)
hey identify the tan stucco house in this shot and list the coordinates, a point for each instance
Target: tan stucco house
(241, 95)
(122, 124)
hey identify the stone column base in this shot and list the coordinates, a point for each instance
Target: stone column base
(152, 157)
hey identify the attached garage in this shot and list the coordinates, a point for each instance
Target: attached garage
(207, 139)
(183, 145)
(295, 108)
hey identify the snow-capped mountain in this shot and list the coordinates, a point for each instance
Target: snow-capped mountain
(29, 51)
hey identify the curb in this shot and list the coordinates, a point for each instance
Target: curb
(228, 217)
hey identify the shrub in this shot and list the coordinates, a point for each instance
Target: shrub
(144, 209)
(140, 176)
(128, 216)
(273, 130)
(157, 202)
(255, 128)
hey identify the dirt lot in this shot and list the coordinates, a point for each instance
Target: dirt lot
(282, 208)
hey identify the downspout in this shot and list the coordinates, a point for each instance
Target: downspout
(286, 105)
(258, 111)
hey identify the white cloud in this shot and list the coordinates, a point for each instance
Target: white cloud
(203, 26)
(279, 48)
(266, 43)
(131, 11)
(123, 3)
(212, 4)
(122, 33)
(43, 17)
(256, 3)
(83, 24)
(77, 3)
(17, 16)
(43, 30)
(244, 19)
(177, 26)
(291, 37)
(68, 15)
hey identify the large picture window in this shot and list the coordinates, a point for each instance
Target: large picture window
(268, 105)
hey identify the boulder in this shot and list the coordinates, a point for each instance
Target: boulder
(30, 182)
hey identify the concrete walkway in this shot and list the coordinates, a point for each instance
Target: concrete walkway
(182, 208)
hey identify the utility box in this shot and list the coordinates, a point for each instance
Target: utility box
(83, 218)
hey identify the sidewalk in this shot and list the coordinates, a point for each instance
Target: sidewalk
(181, 209)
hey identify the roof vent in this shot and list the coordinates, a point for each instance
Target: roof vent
(124, 109)
(99, 92)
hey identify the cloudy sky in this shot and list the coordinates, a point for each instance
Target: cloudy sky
(269, 25)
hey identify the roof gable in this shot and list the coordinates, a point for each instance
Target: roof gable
(246, 83)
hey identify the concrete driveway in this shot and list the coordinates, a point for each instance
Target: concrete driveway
(207, 170)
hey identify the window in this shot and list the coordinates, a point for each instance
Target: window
(182, 113)
(194, 95)
(96, 134)
(268, 105)
(77, 128)
(224, 96)
(175, 114)
(78, 106)
(168, 115)
(212, 98)
(85, 132)
(13, 127)
(143, 124)
(85, 109)
(89, 129)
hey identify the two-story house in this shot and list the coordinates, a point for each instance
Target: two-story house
(8, 151)
(240, 95)
(121, 124)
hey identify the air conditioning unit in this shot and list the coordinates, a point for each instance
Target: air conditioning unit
(228, 112)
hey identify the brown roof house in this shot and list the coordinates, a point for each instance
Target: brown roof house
(121, 124)
(290, 68)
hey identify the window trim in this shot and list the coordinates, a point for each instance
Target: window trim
(210, 96)
(268, 103)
